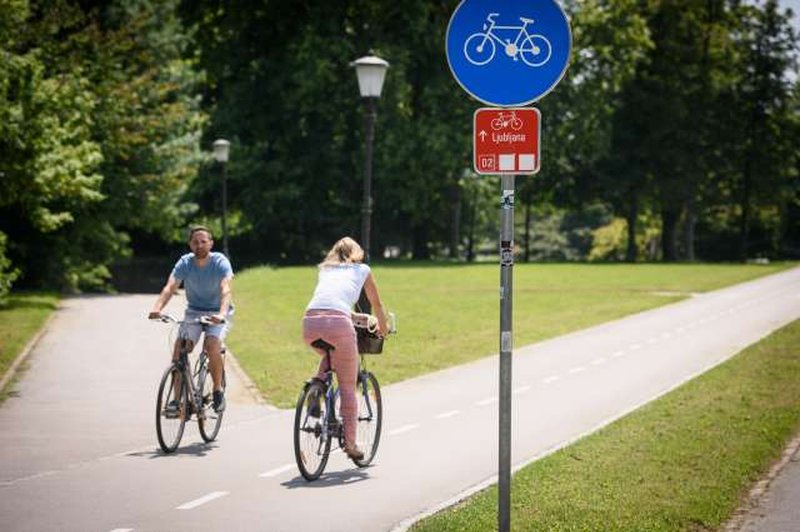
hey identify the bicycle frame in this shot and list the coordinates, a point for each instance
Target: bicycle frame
(332, 424)
(523, 33)
(183, 367)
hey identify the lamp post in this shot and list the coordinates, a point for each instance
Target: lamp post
(371, 72)
(221, 149)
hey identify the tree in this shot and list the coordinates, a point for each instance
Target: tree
(100, 137)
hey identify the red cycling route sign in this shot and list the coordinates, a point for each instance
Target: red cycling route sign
(506, 140)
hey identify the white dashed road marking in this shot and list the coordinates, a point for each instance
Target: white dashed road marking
(445, 415)
(277, 471)
(551, 378)
(202, 500)
(487, 401)
(404, 428)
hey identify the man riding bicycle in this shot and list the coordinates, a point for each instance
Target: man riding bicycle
(206, 277)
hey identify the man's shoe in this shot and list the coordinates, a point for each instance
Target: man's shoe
(171, 411)
(314, 409)
(353, 452)
(219, 402)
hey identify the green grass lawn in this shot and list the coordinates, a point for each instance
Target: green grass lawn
(20, 320)
(680, 463)
(449, 314)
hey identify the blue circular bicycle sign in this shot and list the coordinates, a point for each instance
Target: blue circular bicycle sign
(508, 52)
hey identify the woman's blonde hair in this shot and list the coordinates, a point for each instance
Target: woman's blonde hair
(345, 250)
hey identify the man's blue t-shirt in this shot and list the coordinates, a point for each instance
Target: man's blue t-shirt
(202, 284)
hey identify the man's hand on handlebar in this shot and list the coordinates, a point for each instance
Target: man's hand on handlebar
(154, 316)
(215, 319)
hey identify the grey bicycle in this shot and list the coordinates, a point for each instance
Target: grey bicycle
(185, 391)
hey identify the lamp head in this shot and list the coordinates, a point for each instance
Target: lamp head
(221, 149)
(371, 71)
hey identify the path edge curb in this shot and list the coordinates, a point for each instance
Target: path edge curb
(249, 384)
(11, 372)
(754, 497)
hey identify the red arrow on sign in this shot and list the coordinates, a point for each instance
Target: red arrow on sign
(506, 141)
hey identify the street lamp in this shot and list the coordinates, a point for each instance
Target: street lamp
(221, 149)
(371, 72)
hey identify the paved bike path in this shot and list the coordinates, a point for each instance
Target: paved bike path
(79, 453)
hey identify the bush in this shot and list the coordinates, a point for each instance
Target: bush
(8, 274)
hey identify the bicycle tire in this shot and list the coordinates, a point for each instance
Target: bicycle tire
(312, 444)
(535, 55)
(473, 51)
(208, 421)
(370, 417)
(168, 428)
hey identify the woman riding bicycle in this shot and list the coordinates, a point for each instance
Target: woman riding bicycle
(342, 275)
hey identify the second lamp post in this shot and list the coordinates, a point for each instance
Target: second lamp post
(221, 149)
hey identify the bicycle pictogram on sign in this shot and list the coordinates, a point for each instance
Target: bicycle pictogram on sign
(534, 49)
(506, 120)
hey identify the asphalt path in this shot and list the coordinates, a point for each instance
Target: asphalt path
(78, 449)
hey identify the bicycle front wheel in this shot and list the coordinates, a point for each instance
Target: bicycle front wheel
(312, 443)
(172, 409)
(370, 417)
(208, 421)
(479, 49)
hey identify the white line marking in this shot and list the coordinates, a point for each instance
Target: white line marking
(551, 378)
(202, 500)
(277, 471)
(404, 428)
(598, 361)
(617, 354)
(652, 341)
(521, 389)
(577, 370)
(451, 413)
(634, 347)
(487, 401)
(122, 530)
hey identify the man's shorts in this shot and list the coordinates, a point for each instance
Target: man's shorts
(192, 331)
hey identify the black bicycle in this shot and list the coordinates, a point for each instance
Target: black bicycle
(317, 422)
(184, 392)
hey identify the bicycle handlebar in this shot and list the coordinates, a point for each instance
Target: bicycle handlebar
(205, 320)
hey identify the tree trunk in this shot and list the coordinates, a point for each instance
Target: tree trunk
(669, 221)
(455, 224)
(527, 235)
(688, 229)
(471, 231)
(744, 221)
(419, 244)
(632, 218)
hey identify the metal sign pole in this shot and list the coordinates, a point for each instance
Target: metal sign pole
(506, 299)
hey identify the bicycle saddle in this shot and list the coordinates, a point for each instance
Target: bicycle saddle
(319, 343)
(526, 20)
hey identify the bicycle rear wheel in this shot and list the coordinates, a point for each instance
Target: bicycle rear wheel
(208, 421)
(370, 417)
(312, 443)
(171, 418)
